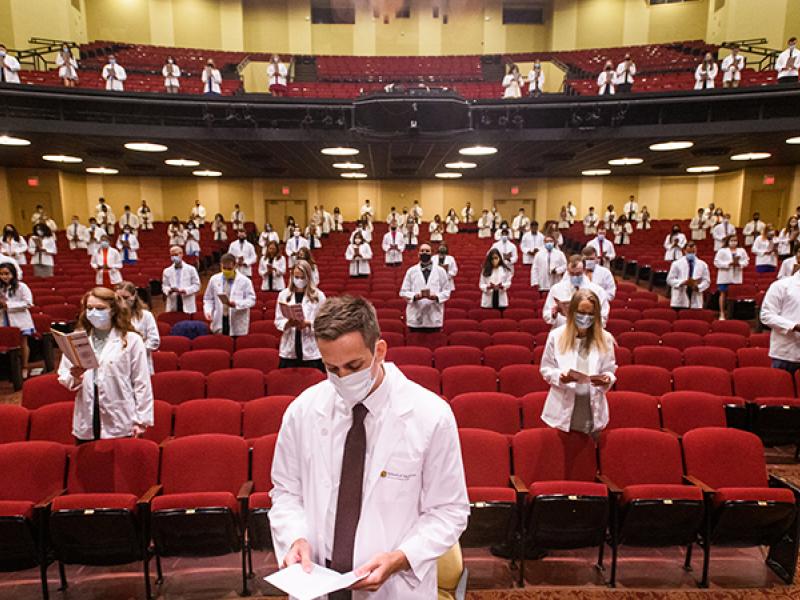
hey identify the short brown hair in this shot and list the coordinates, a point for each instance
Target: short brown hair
(340, 315)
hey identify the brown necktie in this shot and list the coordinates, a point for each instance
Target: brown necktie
(348, 504)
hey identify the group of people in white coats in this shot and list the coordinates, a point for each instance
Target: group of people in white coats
(619, 79)
(514, 83)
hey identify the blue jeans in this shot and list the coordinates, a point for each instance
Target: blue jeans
(786, 365)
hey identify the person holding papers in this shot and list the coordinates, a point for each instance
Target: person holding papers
(42, 248)
(730, 262)
(142, 319)
(243, 252)
(128, 245)
(448, 263)
(579, 364)
(688, 278)
(16, 301)
(790, 266)
(603, 247)
(555, 307)
(228, 299)
(107, 263)
(180, 284)
(305, 254)
(112, 378)
(507, 249)
(359, 254)
(495, 281)
(15, 246)
(293, 246)
(549, 266)
(295, 312)
(393, 245)
(272, 268)
(367, 472)
(425, 288)
(788, 62)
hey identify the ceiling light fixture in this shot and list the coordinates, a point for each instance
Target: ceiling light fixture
(461, 164)
(340, 151)
(146, 147)
(102, 171)
(62, 158)
(625, 162)
(449, 175)
(703, 169)
(596, 172)
(793, 140)
(353, 175)
(666, 146)
(7, 140)
(751, 156)
(478, 151)
(207, 173)
(348, 165)
(182, 162)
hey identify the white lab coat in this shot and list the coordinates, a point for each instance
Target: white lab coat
(508, 250)
(704, 78)
(416, 212)
(45, 256)
(548, 268)
(563, 292)
(411, 233)
(519, 225)
(148, 329)
(247, 252)
(172, 75)
(93, 239)
(219, 231)
(211, 82)
(605, 83)
(780, 311)
(367, 212)
(425, 312)
(765, 252)
(366, 234)
(732, 68)
(625, 73)
(677, 276)
(17, 249)
(751, 230)
(785, 242)
(293, 246)
(241, 292)
(10, 66)
(129, 219)
(123, 384)
(604, 278)
(720, 233)
(415, 443)
(360, 265)
(590, 224)
(133, 243)
(237, 220)
(436, 230)
(278, 265)
(67, 66)
(643, 220)
(106, 220)
(672, 252)
(114, 76)
(499, 277)
(560, 400)
(186, 279)
(145, 217)
(113, 260)
(338, 222)
(512, 86)
(198, 215)
(535, 81)
(451, 224)
(192, 247)
(312, 236)
(609, 218)
(622, 233)
(450, 266)
(393, 245)
(18, 307)
(631, 207)
(276, 74)
(787, 63)
(604, 250)
(787, 267)
(530, 243)
(467, 214)
(726, 272)
(310, 309)
(485, 226)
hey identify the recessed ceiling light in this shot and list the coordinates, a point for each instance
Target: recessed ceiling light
(101, 171)
(62, 158)
(461, 164)
(793, 140)
(340, 151)
(751, 156)
(7, 140)
(665, 146)
(703, 169)
(352, 175)
(478, 150)
(448, 175)
(181, 162)
(625, 162)
(596, 172)
(348, 165)
(207, 173)
(146, 147)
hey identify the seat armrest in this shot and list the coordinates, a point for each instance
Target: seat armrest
(672, 433)
(148, 496)
(45, 504)
(519, 486)
(245, 491)
(777, 481)
(707, 489)
(612, 487)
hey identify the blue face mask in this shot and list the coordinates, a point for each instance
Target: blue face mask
(548, 246)
(690, 257)
(576, 280)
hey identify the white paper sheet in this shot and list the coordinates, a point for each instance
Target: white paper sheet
(307, 586)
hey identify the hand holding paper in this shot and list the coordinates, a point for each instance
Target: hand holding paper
(305, 586)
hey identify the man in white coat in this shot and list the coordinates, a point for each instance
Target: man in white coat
(631, 208)
(549, 266)
(228, 299)
(520, 224)
(381, 489)
(788, 63)
(198, 214)
(688, 278)
(9, 66)
(293, 246)
(780, 311)
(393, 244)
(507, 249)
(245, 254)
(237, 218)
(557, 303)
(603, 246)
(426, 288)
(752, 229)
(180, 283)
(625, 73)
(722, 231)
(467, 214)
(107, 263)
(597, 273)
(367, 211)
(77, 234)
(114, 75)
(128, 219)
(531, 243)
(212, 79)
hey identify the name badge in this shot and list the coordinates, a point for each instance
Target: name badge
(395, 476)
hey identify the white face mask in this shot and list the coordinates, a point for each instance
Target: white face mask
(100, 318)
(590, 264)
(299, 283)
(354, 387)
(584, 321)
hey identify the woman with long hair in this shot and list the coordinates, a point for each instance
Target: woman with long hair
(305, 254)
(579, 365)
(495, 281)
(13, 244)
(142, 319)
(788, 239)
(114, 400)
(16, 301)
(219, 229)
(298, 347)
(272, 268)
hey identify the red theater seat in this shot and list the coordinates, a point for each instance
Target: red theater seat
(703, 379)
(263, 416)
(427, 377)
(208, 415)
(502, 355)
(468, 378)
(709, 356)
(44, 389)
(239, 384)
(754, 382)
(410, 355)
(487, 410)
(263, 359)
(260, 501)
(645, 379)
(205, 361)
(292, 382)
(452, 356)
(178, 386)
(13, 423)
(632, 409)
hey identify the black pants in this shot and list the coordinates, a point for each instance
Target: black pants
(293, 363)
(788, 79)
(425, 329)
(624, 88)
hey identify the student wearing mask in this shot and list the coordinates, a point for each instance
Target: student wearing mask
(277, 76)
(142, 319)
(688, 279)
(416, 211)
(520, 225)
(426, 288)
(606, 81)
(115, 400)
(752, 229)
(288, 231)
(625, 73)
(67, 66)
(145, 216)
(610, 217)
(531, 243)
(219, 229)
(393, 245)
(451, 222)
(358, 254)
(192, 246)
(698, 226)
(722, 232)
(549, 266)
(485, 225)
(114, 75)
(436, 229)
(338, 220)
(294, 245)
(535, 80)
(172, 76)
(448, 263)
(644, 220)
(631, 209)
(788, 63)
(212, 79)
(237, 218)
(180, 284)
(597, 273)
(392, 452)
(554, 311)
(730, 262)
(502, 226)
(272, 268)
(198, 214)
(507, 249)
(590, 222)
(313, 234)
(790, 266)
(674, 244)
(244, 253)
(563, 218)
(788, 238)
(705, 73)
(16, 300)
(580, 345)
(494, 282)
(298, 347)
(732, 68)
(107, 263)
(267, 236)
(467, 214)
(411, 232)
(765, 251)
(14, 245)
(623, 229)
(367, 212)
(363, 228)
(780, 311)
(128, 245)
(228, 299)
(305, 254)
(128, 219)
(176, 233)
(603, 247)
(42, 248)
(513, 83)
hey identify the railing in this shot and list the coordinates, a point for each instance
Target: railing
(755, 47)
(36, 57)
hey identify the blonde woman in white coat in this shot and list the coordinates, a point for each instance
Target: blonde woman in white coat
(298, 347)
(142, 319)
(16, 301)
(730, 261)
(272, 268)
(495, 281)
(359, 254)
(579, 365)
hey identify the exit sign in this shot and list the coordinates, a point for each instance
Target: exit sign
(285, 190)
(515, 190)
(33, 181)
(769, 179)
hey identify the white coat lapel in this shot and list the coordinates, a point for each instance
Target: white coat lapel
(322, 440)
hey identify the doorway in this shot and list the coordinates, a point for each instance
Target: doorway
(277, 211)
(25, 202)
(769, 204)
(508, 208)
